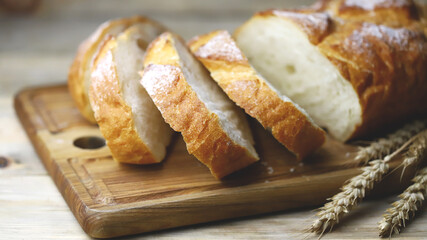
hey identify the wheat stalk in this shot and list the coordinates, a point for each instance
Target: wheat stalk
(352, 193)
(355, 189)
(417, 151)
(410, 202)
(384, 146)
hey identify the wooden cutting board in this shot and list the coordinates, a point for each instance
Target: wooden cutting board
(110, 199)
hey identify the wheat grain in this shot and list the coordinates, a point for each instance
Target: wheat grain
(352, 193)
(410, 201)
(384, 146)
(417, 151)
(355, 189)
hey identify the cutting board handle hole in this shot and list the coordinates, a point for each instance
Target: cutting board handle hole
(89, 142)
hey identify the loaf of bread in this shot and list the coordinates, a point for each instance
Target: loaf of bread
(214, 129)
(229, 67)
(133, 128)
(80, 71)
(356, 67)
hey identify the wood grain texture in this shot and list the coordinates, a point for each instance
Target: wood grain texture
(110, 199)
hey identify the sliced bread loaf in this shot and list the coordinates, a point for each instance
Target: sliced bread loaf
(133, 128)
(80, 70)
(229, 67)
(213, 127)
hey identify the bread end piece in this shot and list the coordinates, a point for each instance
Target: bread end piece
(214, 129)
(229, 67)
(76, 83)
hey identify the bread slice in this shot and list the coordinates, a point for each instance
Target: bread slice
(213, 127)
(229, 67)
(354, 78)
(80, 71)
(133, 128)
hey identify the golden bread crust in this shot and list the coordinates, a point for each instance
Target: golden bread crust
(380, 47)
(231, 70)
(186, 113)
(387, 68)
(112, 113)
(392, 13)
(84, 59)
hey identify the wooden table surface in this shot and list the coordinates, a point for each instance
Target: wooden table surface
(37, 49)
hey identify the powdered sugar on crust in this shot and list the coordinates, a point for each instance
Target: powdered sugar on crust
(221, 46)
(315, 25)
(159, 79)
(378, 40)
(370, 5)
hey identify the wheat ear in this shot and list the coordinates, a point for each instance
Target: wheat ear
(352, 193)
(417, 151)
(410, 202)
(384, 146)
